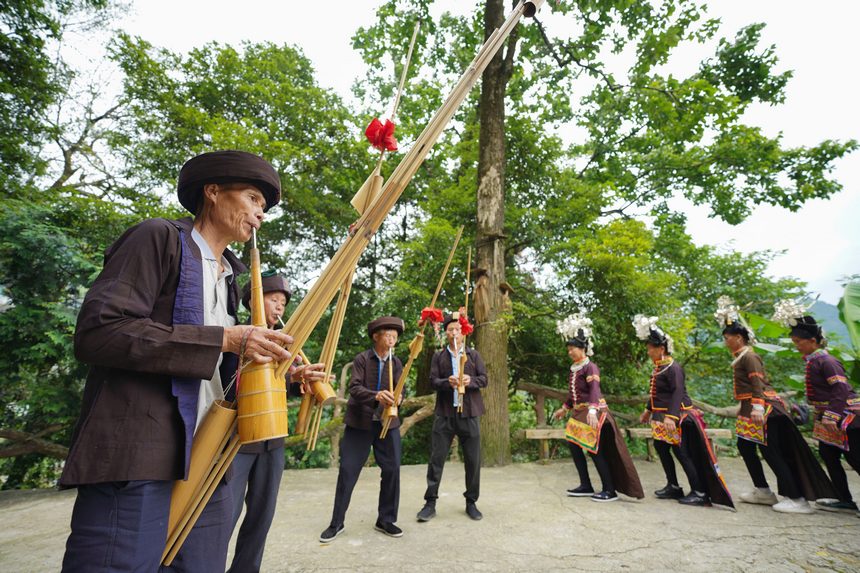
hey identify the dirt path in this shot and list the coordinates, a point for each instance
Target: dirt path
(529, 524)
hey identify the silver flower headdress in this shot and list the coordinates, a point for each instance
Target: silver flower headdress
(646, 325)
(788, 312)
(728, 313)
(577, 325)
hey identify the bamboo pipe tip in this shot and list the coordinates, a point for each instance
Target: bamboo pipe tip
(531, 7)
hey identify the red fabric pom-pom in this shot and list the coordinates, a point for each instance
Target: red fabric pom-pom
(381, 136)
(465, 328)
(431, 315)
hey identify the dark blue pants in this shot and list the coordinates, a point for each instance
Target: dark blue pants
(354, 449)
(468, 432)
(261, 474)
(122, 527)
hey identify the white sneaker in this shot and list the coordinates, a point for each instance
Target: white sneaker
(798, 505)
(760, 496)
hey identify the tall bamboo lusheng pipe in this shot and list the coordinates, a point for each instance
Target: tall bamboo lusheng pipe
(417, 344)
(461, 387)
(261, 394)
(307, 315)
(309, 424)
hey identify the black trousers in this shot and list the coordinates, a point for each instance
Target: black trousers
(776, 456)
(685, 453)
(354, 449)
(122, 527)
(832, 457)
(468, 431)
(599, 459)
(261, 474)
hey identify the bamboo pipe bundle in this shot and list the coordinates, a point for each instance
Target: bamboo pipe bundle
(211, 450)
(304, 319)
(361, 201)
(461, 387)
(417, 344)
(323, 391)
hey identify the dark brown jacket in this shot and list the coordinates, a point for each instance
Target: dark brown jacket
(751, 385)
(668, 392)
(583, 388)
(440, 370)
(828, 390)
(130, 427)
(362, 402)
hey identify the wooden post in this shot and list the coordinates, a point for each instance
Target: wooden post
(540, 415)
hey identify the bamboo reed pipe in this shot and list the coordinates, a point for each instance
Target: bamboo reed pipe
(221, 469)
(461, 389)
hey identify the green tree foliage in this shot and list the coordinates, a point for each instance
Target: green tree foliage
(31, 80)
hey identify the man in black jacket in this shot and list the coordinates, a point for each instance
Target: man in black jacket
(448, 422)
(369, 395)
(158, 329)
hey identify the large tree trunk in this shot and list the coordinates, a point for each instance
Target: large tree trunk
(491, 333)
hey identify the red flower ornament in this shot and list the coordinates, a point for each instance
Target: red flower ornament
(381, 136)
(431, 315)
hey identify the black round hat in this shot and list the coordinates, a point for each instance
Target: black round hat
(272, 282)
(229, 166)
(385, 323)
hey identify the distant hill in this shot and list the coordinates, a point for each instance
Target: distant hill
(828, 316)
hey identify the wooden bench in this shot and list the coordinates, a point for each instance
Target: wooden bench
(632, 433)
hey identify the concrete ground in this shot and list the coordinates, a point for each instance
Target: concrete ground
(529, 525)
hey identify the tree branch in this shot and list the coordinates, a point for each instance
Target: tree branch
(569, 58)
(27, 443)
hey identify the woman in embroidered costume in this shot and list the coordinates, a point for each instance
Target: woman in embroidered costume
(763, 420)
(836, 425)
(678, 427)
(591, 426)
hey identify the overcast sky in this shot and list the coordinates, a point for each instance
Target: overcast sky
(818, 41)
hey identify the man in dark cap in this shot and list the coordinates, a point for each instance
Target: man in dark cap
(370, 392)
(258, 467)
(837, 410)
(158, 328)
(449, 422)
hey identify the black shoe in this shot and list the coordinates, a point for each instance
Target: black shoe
(472, 511)
(604, 496)
(329, 534)
(670, 492)
(388, 529)
(427, 512)
(581, 491)
(835, 505)
(694, 499)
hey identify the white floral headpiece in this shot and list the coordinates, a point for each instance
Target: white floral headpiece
(728, 313)
(645, 325)
(571, 326)
(787, 312)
